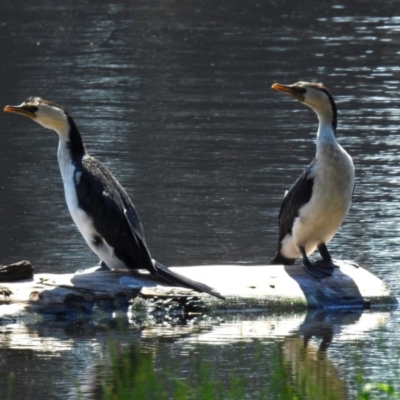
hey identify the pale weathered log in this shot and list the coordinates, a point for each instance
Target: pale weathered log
(245, 287)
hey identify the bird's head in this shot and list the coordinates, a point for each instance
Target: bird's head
(313, 94)
(46, 113)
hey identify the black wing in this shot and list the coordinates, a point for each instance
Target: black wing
(120, 225)
(100, 193)
(298, 195)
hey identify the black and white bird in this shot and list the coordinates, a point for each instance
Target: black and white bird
(99, 206)
(317, 203)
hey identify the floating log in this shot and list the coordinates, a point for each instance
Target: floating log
(245, 287)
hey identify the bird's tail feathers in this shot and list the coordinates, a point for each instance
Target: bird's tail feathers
(177, 279)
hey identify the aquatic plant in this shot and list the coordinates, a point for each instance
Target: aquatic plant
(135, 374)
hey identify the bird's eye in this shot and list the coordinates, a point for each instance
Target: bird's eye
(31, 109)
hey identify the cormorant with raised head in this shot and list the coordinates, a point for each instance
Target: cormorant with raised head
(99, 206)
(317, 203)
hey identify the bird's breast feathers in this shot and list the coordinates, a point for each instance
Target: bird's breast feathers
(332, 191)
(334, 171)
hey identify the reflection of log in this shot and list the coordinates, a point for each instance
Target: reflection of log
(284, 287)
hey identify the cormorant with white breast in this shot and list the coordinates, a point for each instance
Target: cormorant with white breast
(317, 203)
(99, 206)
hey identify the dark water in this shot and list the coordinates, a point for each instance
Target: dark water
(175, 98)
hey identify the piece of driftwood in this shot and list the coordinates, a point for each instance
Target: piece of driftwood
(245, 287)
(16, 272)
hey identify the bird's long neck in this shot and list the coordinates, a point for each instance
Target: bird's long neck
(327, 117)
(74, 141)
(70, 152)
(71, 147)
(326, 134)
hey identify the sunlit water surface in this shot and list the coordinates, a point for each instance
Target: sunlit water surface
(175, 98)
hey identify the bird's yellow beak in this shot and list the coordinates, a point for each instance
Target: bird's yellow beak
(282, 88)
(292, 90)
(22, 109)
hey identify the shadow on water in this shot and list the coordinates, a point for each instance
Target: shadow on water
(323, 325)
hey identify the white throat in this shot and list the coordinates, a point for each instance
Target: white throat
(53, 118)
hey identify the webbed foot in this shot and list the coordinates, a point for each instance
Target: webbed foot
(319, 269)
(322, 268)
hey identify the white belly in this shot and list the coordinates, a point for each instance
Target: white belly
(321, 217)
